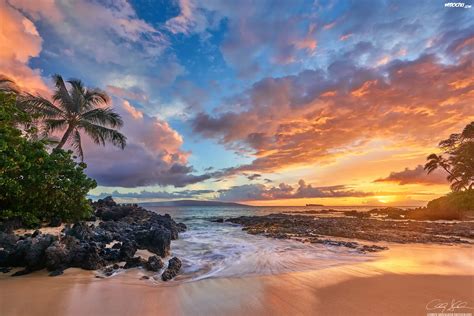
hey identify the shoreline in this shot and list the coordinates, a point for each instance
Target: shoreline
(401, 280)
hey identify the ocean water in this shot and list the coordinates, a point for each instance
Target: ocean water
(209, 250)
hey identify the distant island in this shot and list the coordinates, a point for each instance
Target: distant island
(314, 205)
(193, 203)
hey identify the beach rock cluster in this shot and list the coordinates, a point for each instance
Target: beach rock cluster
(174, 265)
(315, 229)
(115, 237)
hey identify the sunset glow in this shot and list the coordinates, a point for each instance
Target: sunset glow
(232, 101)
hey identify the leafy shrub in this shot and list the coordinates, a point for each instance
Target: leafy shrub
(36, 185)
(455, 205)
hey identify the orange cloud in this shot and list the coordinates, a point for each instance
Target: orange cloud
(328, 94)
(292, 121)
(383, 61)
(307, 43)
(467, 43)
(19, 41)
(132, 110)
(364, 89)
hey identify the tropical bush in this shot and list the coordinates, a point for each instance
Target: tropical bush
(35, 185)
(454, 206)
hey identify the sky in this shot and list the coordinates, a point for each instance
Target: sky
(260, 102)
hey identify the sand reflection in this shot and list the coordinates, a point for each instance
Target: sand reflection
(411, 274)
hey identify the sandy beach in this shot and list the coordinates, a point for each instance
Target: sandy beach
(400, 281)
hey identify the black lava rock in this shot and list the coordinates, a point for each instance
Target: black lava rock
(134, 262)
(157, 240)
(174, 265)
(154, 264)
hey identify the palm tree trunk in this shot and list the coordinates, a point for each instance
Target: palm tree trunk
(65, 136)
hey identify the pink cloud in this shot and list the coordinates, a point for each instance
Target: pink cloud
(153, 155)
(345, 37)
(19, 41)
(137, 95)
(189, 20)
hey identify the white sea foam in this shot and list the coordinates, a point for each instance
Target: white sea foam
(209, 249)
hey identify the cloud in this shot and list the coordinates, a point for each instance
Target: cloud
(254, 176)
(146, 195)
(307, 29)
(250, 37)
(125, 52)
(190, 19)
(252, 44)
(134, 93)
(102, 30)
(345, 37)
(19, 42)
(109, 37)
(254, 192)
(415, 176)
(317, 115)
(153, 155)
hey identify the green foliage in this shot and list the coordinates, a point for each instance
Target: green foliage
(462, 201)
(35, 185)
(454, 206)
(457, 159)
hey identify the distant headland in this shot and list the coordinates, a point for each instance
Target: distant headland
(193, 203)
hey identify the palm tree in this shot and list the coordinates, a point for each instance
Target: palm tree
(435, 162)
(460, 162)
(76, 110)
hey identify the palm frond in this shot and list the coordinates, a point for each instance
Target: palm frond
(433, 157)
(38, 104)
(61, 95)
(96, 97)
(101, 134)
(76, 143)
(52, 125)
(77, 95)
(103, 116)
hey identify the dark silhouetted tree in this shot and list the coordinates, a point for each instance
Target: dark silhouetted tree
(457, 159)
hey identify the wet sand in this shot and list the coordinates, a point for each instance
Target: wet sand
(400, 281)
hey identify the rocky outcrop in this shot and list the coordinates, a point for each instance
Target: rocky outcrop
(156, 240)
(354, 227)
(134, 262)
(86, 245)
(154, 264)
(174, 265)
(127, 249)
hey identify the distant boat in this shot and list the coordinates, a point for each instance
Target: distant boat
(314, 205)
